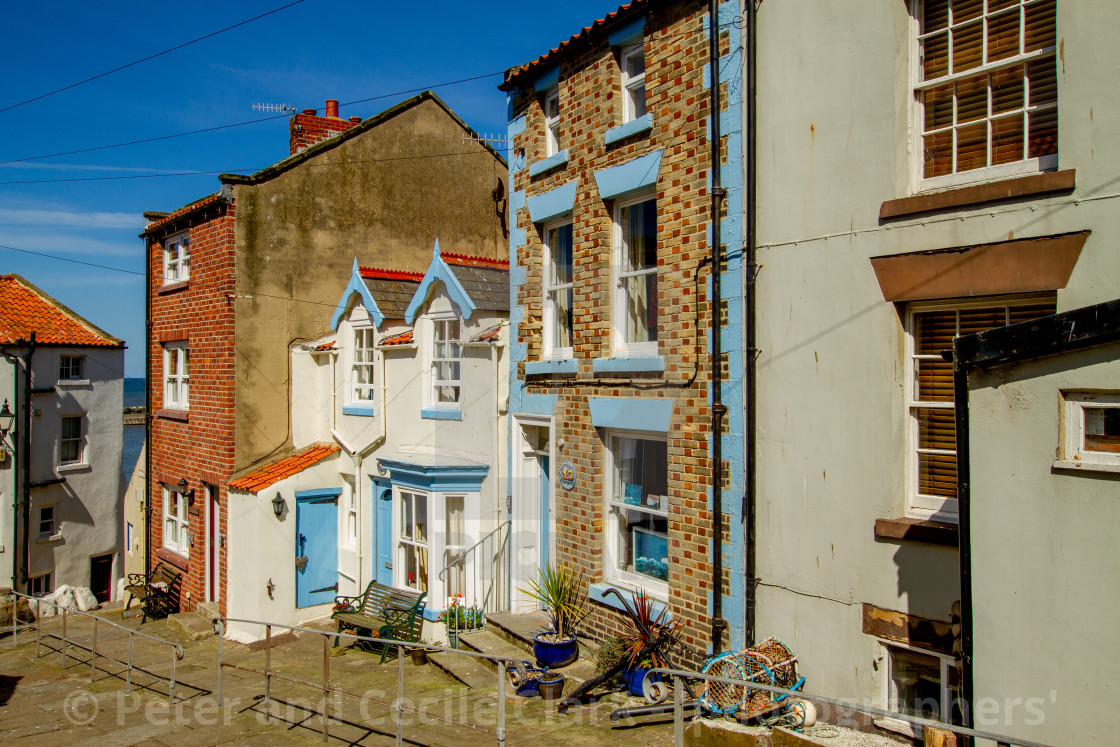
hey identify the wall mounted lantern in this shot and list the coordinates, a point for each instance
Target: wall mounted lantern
(278, 505)
(181, 486)
(7, 420)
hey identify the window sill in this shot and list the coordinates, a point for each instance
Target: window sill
(979, 194)
(178, 285)
(365, 411)
(548, 164)
(918, 530)
(182, 416)
(72, 467)
(629, 364)
(73, 383)
(440, 413)
(551, 366)
(45, 538)
(174, 558)
(1076, 465)
(598, 593)
(629, 129)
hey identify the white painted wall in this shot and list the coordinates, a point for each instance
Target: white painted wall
(262, 548)
(87, 507)
(834, 142)
(1045, 557)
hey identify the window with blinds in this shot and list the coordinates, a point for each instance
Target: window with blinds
(933, 419)
(988, 94)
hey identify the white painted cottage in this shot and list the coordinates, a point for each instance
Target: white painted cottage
(398, 474)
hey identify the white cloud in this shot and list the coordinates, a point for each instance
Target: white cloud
(70, 219)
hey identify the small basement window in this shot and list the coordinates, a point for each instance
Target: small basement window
(920, 684)
(1091, 425)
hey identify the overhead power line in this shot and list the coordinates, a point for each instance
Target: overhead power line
(70, 259)
(242, 124)
(150, 57)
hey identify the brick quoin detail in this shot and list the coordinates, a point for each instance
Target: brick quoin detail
(200, 448)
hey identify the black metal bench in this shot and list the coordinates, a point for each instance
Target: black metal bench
(384, 611)
(158, 591)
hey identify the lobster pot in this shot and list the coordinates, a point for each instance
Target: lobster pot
(771, 662)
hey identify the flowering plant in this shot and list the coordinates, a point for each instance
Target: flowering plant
(460, 617)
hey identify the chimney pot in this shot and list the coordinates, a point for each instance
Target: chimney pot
(332, 109)
(309, 111)
(355, 120)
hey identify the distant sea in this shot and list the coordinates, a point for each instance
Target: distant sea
(133, 434)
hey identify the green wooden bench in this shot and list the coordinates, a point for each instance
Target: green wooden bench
(393, 613)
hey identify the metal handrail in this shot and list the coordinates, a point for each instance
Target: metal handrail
(397, 706)
(462, 556)
(176, 649)
(678, 707)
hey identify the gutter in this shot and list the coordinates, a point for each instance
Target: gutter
(719, 410)
(750, 274)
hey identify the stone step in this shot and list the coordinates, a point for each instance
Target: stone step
(191, 626)
(519, 630)
(468, 670)
(485, 642)
(208, 610)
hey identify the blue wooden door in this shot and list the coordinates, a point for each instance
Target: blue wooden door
(383, 531)
(317, 540)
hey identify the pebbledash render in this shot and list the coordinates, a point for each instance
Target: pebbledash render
(237, 277)
(610, 219)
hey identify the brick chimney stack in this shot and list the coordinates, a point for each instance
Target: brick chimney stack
(306, 128)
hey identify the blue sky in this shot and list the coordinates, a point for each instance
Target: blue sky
(302, 55)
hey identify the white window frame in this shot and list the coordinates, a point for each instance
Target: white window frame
(39, 586)
(984, 174)
(548, 342)
(439, 544)
(176, 387)
(633, 88)
(552, 123)
(71, 368)
(926, 506)
(177, 258)
(53, 529)
(79, 441)
(436, 324)
(619, 296)
(362, 358)
(402, 497)
(889, 703)
(1072, 451)
(613, 573)
(176, 516)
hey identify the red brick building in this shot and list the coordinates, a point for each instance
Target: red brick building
(611, 391)
(236, 277)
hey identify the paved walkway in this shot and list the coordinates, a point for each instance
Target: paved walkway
(46, 701)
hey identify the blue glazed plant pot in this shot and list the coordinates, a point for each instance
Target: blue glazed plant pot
(555, 655)
(634, 677)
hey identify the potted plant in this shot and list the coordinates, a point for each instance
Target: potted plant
(459, 618)
(551, 685)
(419, 655)
(560, 591)
(651, 637)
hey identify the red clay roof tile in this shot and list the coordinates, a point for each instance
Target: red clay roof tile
(270, 474)
(404, 338)
(25, 309)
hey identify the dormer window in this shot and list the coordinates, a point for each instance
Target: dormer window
(633, 63)
(177, 258)
(445, 363)
(552, 122)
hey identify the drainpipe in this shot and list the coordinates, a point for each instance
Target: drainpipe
(18, 456)
(964, 480)
(718, 408)
(751, 388)
(25, 461)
